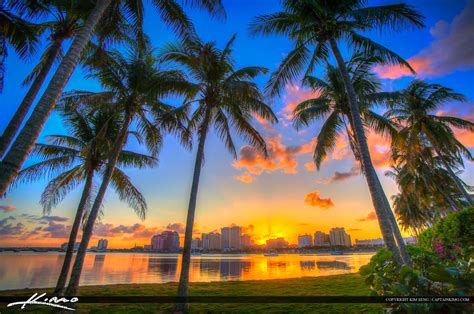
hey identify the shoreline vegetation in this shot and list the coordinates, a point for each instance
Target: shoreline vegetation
(334, 285)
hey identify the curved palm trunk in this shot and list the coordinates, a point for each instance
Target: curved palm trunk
(87, 233)
(188, 236)
(21, 148)
(375, 189)
(14, 125)
(455, 179)
(59, 290)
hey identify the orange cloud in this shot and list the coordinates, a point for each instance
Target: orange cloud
(463, 111)
(294, 95)
(310, 166)
(280, 157)
(7, 208)
(370, 216)
(314, 199)
(450, 50)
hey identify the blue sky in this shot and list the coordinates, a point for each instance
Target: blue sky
(273, 203)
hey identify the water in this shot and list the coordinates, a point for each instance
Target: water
(38, 270)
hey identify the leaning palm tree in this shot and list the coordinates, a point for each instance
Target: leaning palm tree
(227, 99)
(171, 13)
(315, 26)
(67, 17)
(421, 127)
(135, 84)
(77, 158)
(332, 105)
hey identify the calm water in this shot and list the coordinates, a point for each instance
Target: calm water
(37, 270)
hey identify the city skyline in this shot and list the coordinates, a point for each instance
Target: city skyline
(282, 196)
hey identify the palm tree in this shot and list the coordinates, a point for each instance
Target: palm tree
(227, 99)
(67, 18)
(315, 26)
(17, 31)
(77, 158)
(171, 13)
(135, 84)
(421, 127)
(332, 104)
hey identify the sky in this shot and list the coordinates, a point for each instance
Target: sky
(283, 195)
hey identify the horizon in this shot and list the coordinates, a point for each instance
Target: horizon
(283, 196)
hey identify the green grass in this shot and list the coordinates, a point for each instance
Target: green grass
(338, 285)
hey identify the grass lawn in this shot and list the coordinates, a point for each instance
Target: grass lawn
(338, 285)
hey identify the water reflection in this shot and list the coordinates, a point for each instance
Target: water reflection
(35, 270)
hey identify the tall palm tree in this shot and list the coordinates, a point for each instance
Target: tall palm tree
(227, 99)
(77, 158)
(332, 104)
(315, 27)
(135, 84)
(171, 13)
(421, 127)
(66, 18)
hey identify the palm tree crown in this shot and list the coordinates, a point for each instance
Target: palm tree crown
(332, 105)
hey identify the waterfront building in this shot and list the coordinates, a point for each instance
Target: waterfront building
(211, 241)
(278, 243)
(321, 239)
(305, 240)
(339, 237)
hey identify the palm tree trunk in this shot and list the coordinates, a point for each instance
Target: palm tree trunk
(14, 125)
(88, 229)
(375, 189)
(59, 291)
(188, 236)
(455, 179)
(21, 148)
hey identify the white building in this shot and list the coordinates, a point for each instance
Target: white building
(305, 240)
(339, 237)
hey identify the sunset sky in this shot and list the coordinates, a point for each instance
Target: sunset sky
(280, 196)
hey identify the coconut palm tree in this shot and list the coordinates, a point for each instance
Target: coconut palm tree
(332, 105)
(415, 110)
(67, 17)
(77, 158)
(17, 31)
(171, 13)
(227, 99)
(315, 27)
(135, 84)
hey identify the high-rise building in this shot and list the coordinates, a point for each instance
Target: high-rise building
(225, 238)
(196, 244)
(211, 241)
(231, 238)
(339, 237)
(305, 240)
(278, 243)
(102, 245)
(321, 239)
(235, 238)
(245, 241)
(166, 241)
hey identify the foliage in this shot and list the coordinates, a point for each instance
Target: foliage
(429, 276)
(451, 238)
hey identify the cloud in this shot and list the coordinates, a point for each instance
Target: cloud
(314, 199)
(8, 229)
(370, 216)
(293, 96)
(245, 178)
(310, 166)
(450, 50)
(339, 176)
(7, 208)
(55, 230)
(177, 226)
(280, 157)
(54, 218)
